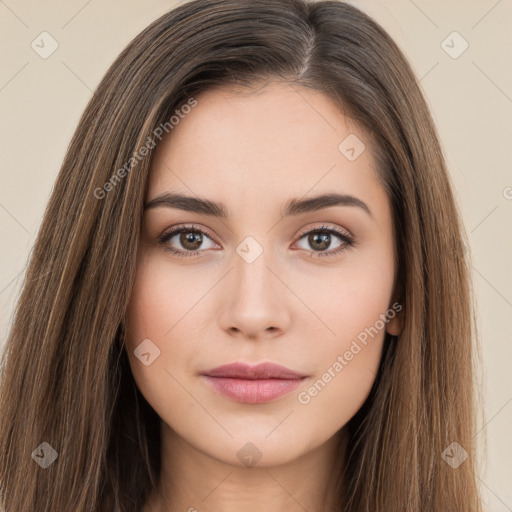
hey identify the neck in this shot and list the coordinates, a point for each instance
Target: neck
(192, 481)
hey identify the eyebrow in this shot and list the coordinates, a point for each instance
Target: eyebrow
(294, 206)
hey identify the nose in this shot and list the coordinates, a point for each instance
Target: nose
(254, 300)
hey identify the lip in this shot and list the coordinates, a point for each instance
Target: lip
(253, 384)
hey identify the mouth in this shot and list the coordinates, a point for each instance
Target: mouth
(253, 384)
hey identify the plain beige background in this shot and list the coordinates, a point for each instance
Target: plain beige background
(469, 92)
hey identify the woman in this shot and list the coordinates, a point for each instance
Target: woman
(249, 289)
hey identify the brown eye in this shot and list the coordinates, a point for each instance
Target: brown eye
(189, 240)
(321, 239)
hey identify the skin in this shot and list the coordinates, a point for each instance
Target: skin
(253, 152)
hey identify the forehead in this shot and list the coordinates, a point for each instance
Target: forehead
(276, 140)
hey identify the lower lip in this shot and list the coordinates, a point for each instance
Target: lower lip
(253, 391)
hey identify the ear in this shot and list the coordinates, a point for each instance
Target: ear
(395, 325)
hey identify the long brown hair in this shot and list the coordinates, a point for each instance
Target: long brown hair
(66, 380)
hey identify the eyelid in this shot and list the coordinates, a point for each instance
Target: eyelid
(174, 230)
(325, 226)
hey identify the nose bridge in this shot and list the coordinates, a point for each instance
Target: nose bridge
(252, 277)
(254, 254)
(256, 300)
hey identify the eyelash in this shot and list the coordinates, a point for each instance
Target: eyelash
(347, 240)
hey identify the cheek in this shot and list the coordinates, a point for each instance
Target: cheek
(346, 364)
(163, 300)
(167, 308)
(160, 309)
(350, 303)
(353, 306)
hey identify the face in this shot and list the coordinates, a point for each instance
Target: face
(302, 285)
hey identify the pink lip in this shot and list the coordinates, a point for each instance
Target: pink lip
(253, 384)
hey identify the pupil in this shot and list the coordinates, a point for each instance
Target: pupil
(322, 238)
(191, 240)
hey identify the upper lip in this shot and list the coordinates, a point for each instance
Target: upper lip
(240, 370)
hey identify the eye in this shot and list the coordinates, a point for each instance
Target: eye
(320, 239)
(191, 239)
